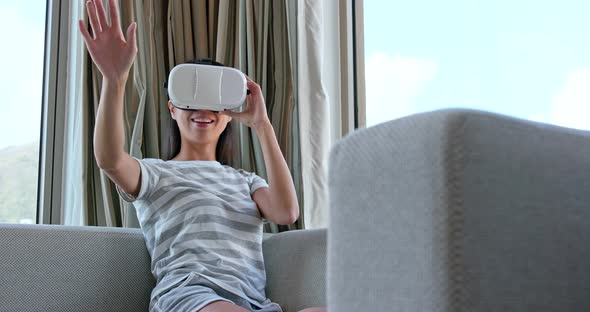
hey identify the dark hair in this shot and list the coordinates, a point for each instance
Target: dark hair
(223, 150)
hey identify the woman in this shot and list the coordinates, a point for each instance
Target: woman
(202, 220)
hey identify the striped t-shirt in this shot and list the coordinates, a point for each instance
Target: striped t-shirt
(199, 217)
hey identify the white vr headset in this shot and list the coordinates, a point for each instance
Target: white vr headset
(197, 86)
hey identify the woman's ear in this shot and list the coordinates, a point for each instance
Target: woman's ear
(171, 109)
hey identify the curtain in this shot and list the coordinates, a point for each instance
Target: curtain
(253, 36)
(315, 113)
(331, 91)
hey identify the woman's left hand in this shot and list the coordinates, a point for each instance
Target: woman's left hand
(254, 115)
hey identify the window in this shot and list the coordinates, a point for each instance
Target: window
(527, 59)
(22, 31)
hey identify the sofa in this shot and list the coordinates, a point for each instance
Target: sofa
(80, 268)
(462, 211)
(452, 210)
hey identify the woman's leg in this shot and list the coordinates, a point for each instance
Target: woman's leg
(313, 310)
(222, 306)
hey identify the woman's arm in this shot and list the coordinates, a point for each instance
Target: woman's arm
(113, 54)
(278, 203)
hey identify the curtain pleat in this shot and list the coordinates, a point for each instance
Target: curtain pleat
(252, 36)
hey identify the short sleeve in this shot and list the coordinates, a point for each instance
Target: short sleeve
(256, 182)
(149, 175)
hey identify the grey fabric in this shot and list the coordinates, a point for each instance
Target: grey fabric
(460, 210)
(66, 268)
(296, 268)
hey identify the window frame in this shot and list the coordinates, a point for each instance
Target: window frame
(358, 43)
(51, 155)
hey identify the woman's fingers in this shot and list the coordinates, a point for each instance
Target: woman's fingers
(131, 36)
(231, 114)
(102, 18)
(85, 34)
(94, 23)
(252, 86)
(114, 14)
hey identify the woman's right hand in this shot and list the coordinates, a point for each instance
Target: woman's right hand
(110, 51)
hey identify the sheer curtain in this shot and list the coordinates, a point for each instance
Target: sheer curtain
(314, 112)
(331, 91)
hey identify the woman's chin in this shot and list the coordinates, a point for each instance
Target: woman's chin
(201, 139)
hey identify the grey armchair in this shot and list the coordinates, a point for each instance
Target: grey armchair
(460, 210)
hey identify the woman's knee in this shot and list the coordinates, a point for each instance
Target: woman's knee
(317, 309)
(222, 306)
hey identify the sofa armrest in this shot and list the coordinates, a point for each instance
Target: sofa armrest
(460, 210)
(296, 268)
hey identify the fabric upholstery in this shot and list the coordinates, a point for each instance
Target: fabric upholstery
(296, 268)
(460, 210)
(65, 268)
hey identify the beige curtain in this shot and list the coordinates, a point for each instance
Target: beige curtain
(252, 36)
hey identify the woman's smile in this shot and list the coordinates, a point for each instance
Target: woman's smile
(202, 123)
(203, 120)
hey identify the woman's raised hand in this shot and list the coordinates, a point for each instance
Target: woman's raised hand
(254, 115)
(112, 53)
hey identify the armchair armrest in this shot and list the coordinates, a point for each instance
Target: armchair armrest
(460, 210)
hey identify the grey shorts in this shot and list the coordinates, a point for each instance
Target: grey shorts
(196, 292)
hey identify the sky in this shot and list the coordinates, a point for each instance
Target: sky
(22, 32)
(527, 59)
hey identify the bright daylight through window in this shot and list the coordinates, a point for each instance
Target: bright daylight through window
(527, 59)
(22, 31)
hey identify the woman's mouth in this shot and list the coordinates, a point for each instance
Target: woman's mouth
(202, 122)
